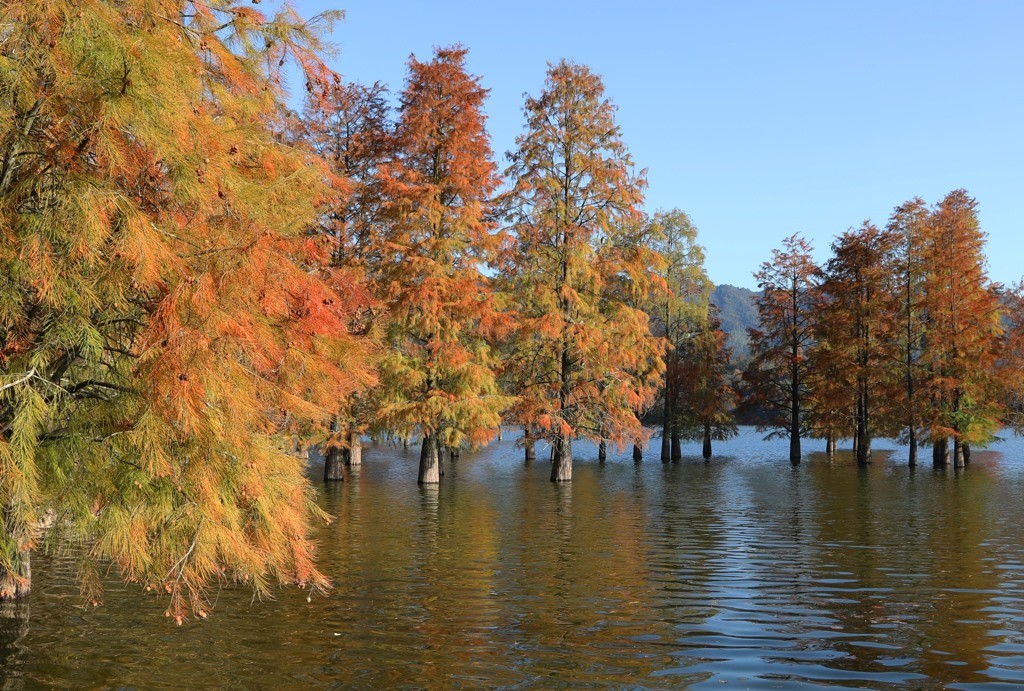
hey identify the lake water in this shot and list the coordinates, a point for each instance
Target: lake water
(741, 572)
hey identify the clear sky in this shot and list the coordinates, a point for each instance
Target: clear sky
(760, 119)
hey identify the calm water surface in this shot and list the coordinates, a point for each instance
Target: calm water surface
(744, 572)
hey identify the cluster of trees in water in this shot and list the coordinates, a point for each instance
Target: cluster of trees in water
(899, 334)
(194, 276)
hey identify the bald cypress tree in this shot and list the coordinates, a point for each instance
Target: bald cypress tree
(440, 369)
(777, 378)
(165, 318)
(575, 270)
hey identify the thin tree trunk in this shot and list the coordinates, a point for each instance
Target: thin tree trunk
(666, 426)
(913, 447)
(707, 440)
(602, 451)
(561, 465)
(638, 452)
(430, 462)
(794, 385)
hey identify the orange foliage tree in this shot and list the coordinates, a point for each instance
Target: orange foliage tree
(439, 372)
(575, 268)
(164, 315)
(777, 377)
(909, 223)
(855, 324)
(964, 326)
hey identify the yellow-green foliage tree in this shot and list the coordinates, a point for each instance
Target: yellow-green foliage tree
(439, 372)
(678, 308)
(575, 269)
(164, 316)
(708, 397)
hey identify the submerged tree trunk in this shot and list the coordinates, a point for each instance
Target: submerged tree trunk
(913, 447)
(561, 463)
(430, 462)
(602, 451)
(529, 445)
(353, 454)
(965, 449)
(666, 426)
(830, 444)
(794, 392)
(707, 440)
(940, 453)
(677, 446)
(958, 453)
(333, 466)
(638, 452)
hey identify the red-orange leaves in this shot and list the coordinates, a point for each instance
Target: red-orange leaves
(439, 368)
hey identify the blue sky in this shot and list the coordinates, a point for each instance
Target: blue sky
(760, 119)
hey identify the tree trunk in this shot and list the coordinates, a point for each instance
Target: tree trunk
(794, 392)
(856, 443)
(958, 453)
(913, 447)
(354, 453)
(940, 453)
(430, 462)
(864, 451)
(602, 451)
(830, 445)
(333, 466)
(677, 447)
(529, 445)
(666, 425)
(454, 452)
(707, 440)
(863, 426)
(561, 465)
(638, 452)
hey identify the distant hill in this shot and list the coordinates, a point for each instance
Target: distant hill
(738, 313)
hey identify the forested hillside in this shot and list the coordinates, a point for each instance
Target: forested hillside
(738, 312)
